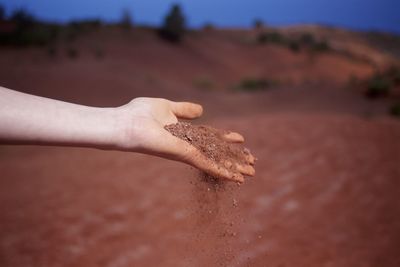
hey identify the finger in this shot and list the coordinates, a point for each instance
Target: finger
(194, 157)
(228, 164)
(186, 110)
(201, 162)
(233, 137)
(248, 156)
(177, 149)
(246, 169)
(237, 177)
(250, 159)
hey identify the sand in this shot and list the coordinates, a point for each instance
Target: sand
(211, 143)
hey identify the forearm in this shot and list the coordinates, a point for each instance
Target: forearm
(27, 119)
(137, 127)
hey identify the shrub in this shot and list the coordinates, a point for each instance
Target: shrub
(94, 23)
(378, 86)
(271, 37)
(37, 35)
(173, 28)
(2, 13)
(254, 84)
(74, 29)
(79, 27)
(294, 46)
(395, 109)
(22, 18)
(208, 26)
(203, 83)
(126, 19)
(258, 24)
(27, 31)
(394, 74)
(307, 39)
(321, 46)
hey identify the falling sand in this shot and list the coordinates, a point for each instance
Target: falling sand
(214, 209)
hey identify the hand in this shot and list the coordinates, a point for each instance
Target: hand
(141, 129)
(137, 127)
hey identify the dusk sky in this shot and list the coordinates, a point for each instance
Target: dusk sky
(356, 14)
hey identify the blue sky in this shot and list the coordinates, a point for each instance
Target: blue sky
(357, 14)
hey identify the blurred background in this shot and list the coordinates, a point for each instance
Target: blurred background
(314, 86)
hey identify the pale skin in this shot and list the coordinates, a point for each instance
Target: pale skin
(135, 127)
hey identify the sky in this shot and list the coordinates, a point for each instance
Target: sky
(383, 15)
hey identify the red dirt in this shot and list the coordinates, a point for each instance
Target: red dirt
(210, 142)
(325, 194)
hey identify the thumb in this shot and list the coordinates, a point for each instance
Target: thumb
(186, 110)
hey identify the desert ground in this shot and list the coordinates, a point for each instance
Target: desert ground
(326, 191)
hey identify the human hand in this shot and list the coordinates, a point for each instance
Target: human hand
(140, 125)
(137, 127)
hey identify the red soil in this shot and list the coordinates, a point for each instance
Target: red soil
(325, 194)
(211, 143)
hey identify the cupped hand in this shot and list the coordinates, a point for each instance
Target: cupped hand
(141, 129)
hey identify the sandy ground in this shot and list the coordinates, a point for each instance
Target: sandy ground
(325, 194)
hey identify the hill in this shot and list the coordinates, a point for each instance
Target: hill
(327, 181)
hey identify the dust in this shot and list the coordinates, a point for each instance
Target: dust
(216, 219)
(214, 206)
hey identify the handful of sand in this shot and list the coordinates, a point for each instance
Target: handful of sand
(212, 144)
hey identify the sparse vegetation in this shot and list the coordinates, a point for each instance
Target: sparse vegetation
(208, 26)
(173, 28)
(321, 46)
(378, 86)
(390, 43)
(79, 27)
(271, 37)
(307, 39)
(24, 30)
(22, 18)
(294, 46)
(395, 109)
(126, 19)
(305, 42)
(203, 82)
(394, 74)
(258, 24)
(2, 13)
(254, 84)
(382, 82)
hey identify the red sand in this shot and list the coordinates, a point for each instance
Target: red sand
(326, 191)
(211, 143)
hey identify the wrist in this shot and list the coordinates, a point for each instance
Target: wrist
(122, 120)
(129, 124)
(102, 128)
